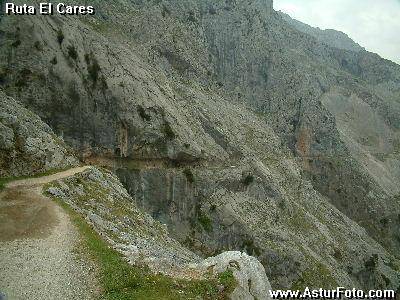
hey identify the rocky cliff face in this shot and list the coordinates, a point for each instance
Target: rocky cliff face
(27, 145)
(230, 126)
(100, 198)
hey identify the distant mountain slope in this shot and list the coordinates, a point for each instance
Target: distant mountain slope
(329, 37)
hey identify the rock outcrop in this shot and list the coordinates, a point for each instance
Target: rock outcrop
(252, 283)
(27, 145)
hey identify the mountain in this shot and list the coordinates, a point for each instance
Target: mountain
(230, 125)
(330, 37)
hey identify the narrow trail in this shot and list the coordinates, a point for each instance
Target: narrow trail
(39, 245)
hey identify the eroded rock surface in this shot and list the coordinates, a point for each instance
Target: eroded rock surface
(252, 283)
(27, 145)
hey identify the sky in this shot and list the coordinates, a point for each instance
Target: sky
(374, 24)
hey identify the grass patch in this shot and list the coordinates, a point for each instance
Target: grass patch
(3, 182)
(205, 222)
(119, 280)
(317, 276)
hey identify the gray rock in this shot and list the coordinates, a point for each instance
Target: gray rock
(27, 145)
(6, 137)
(252, 282)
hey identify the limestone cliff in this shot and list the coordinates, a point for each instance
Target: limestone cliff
(27, 145)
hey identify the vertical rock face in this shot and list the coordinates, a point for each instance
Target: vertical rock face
(230, 126)
(27, 145)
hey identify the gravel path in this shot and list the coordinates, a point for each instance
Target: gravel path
(38, 246)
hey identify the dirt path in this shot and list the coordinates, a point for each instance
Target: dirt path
(38, 243)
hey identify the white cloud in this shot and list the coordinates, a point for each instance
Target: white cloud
(374, 24)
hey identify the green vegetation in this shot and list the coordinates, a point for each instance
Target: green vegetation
(300, 223)
(38, 46)
(93, 70)
(205, 221)
(119, 280)
(54, 60)
(72, 52)
(248, 179)
(169, 133)
(228, 281)
(251, 249)
(317, 276)
(372, 263)
(23, 77)
(189, 175)
(142, 113)
(3, 75)
(60, 36)
(16, 43)
(3, 182)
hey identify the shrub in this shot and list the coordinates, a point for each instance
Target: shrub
(192, 17)
(248, 179)
(189, 175)
(3, 75)
(38, 46)
(169, 133)
(372, 263)
(165, 11)
(228, 281)
(72, 52)
(87, 59)
(23, 77)
(60, 36)
(104, 84)
(205, 222)
(249, 247)
(212, 11)
(16, 43)
(142, 113)
(94, 71)
(54, 60)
